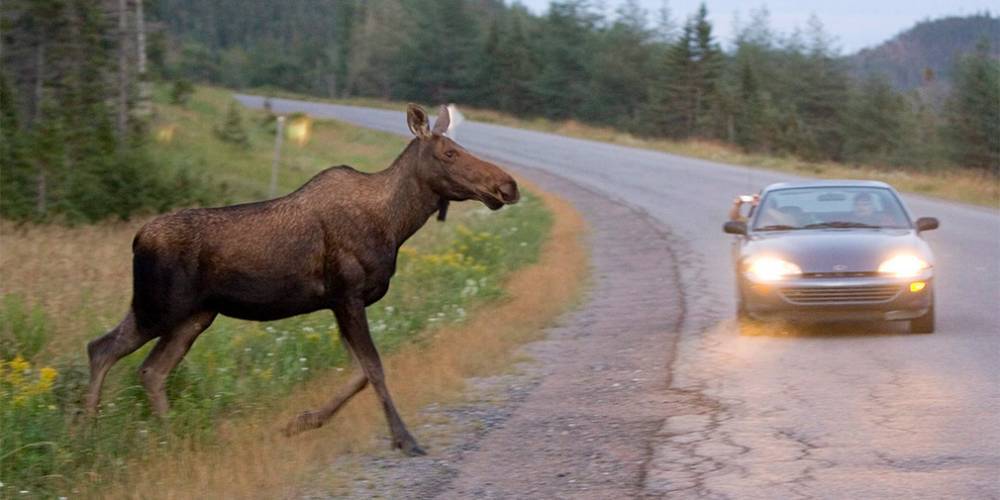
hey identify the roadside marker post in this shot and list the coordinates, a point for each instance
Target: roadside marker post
(279, 135)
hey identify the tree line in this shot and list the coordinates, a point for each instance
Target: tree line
(75, 74)
(772, 92)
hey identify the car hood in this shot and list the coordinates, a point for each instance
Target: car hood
(837, 250)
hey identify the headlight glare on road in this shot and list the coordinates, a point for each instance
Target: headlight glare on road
(903, 266)
(772, 269)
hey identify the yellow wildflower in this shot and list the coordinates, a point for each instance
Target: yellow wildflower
(48, 375)
(16, 369)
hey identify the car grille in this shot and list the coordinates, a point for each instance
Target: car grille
(871, 294)
(855, 274)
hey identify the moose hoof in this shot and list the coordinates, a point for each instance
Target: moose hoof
(410, 448)
(305, 421)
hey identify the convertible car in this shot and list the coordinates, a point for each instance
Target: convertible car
(834, 251)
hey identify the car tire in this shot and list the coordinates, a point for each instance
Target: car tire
(923, 324)
(745, 324)
(741, 311)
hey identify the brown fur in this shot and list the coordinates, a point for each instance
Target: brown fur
(331, 244)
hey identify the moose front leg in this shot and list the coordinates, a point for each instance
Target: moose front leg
(354, 328)
(315, 419)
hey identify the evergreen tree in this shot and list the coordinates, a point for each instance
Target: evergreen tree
(750, 123)
(518, 68)
(668, 112)
(707, 64)
(752, 116)
(620, 70)
(564, 53)
(874, 123)
(490, 74)
(232, 130)
(384, 27)
(973, 112)
(817, 91)
(436, 62)
(685, 98)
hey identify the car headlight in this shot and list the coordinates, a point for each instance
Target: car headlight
(772, 269)
(903, 266)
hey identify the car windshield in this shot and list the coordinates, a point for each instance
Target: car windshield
(829, 207)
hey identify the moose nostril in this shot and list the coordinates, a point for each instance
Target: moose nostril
(508, 191)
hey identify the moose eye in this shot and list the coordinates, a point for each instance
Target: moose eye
(451, 153)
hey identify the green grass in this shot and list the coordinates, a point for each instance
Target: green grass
(237, 369)
(246, 172)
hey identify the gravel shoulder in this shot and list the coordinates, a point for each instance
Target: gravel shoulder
(577, 417)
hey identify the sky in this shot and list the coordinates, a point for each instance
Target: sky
(856, 24)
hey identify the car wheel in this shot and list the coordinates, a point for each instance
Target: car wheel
(923, 324)
(745, 324)
(741, 310)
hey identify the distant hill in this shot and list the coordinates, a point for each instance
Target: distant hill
(935, 45)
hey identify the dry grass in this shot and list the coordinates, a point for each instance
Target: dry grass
(80, 276)
(250, 460)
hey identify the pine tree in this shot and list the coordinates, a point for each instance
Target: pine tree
(232, 130)
(670, 110)
(384, 27)
(748, 86)
(816, 90)
(749, 127)
(873, 122)
(519, 67)
(566, 41)
(707, 64)
(436, 62)
(490, 75)
(620, 70)
(973, 112)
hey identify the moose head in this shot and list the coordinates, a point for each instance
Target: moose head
(453, 172)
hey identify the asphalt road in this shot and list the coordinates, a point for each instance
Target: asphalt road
(865, 411)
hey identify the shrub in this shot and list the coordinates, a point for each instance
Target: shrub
(181, 91)
(232, 130)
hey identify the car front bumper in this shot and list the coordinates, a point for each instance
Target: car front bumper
(869, 298)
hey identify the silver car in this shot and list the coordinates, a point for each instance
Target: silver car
(834, 251)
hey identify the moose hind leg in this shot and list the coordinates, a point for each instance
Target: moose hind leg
(106, 350)
(165, 356)
(354, 327)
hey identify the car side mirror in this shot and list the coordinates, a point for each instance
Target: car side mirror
(927, 223)
(735, 227)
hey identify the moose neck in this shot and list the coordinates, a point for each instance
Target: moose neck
(411, 201)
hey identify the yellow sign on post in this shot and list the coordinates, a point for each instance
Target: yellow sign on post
(299, 130)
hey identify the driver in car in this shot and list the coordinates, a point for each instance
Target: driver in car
(863, 211)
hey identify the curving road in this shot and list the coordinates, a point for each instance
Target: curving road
(845, 412)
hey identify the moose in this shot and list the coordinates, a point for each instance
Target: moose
(331, 244)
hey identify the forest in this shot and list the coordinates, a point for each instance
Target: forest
(76, 74)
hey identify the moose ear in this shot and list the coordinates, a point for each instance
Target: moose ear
(443, 121)
(416, 119)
